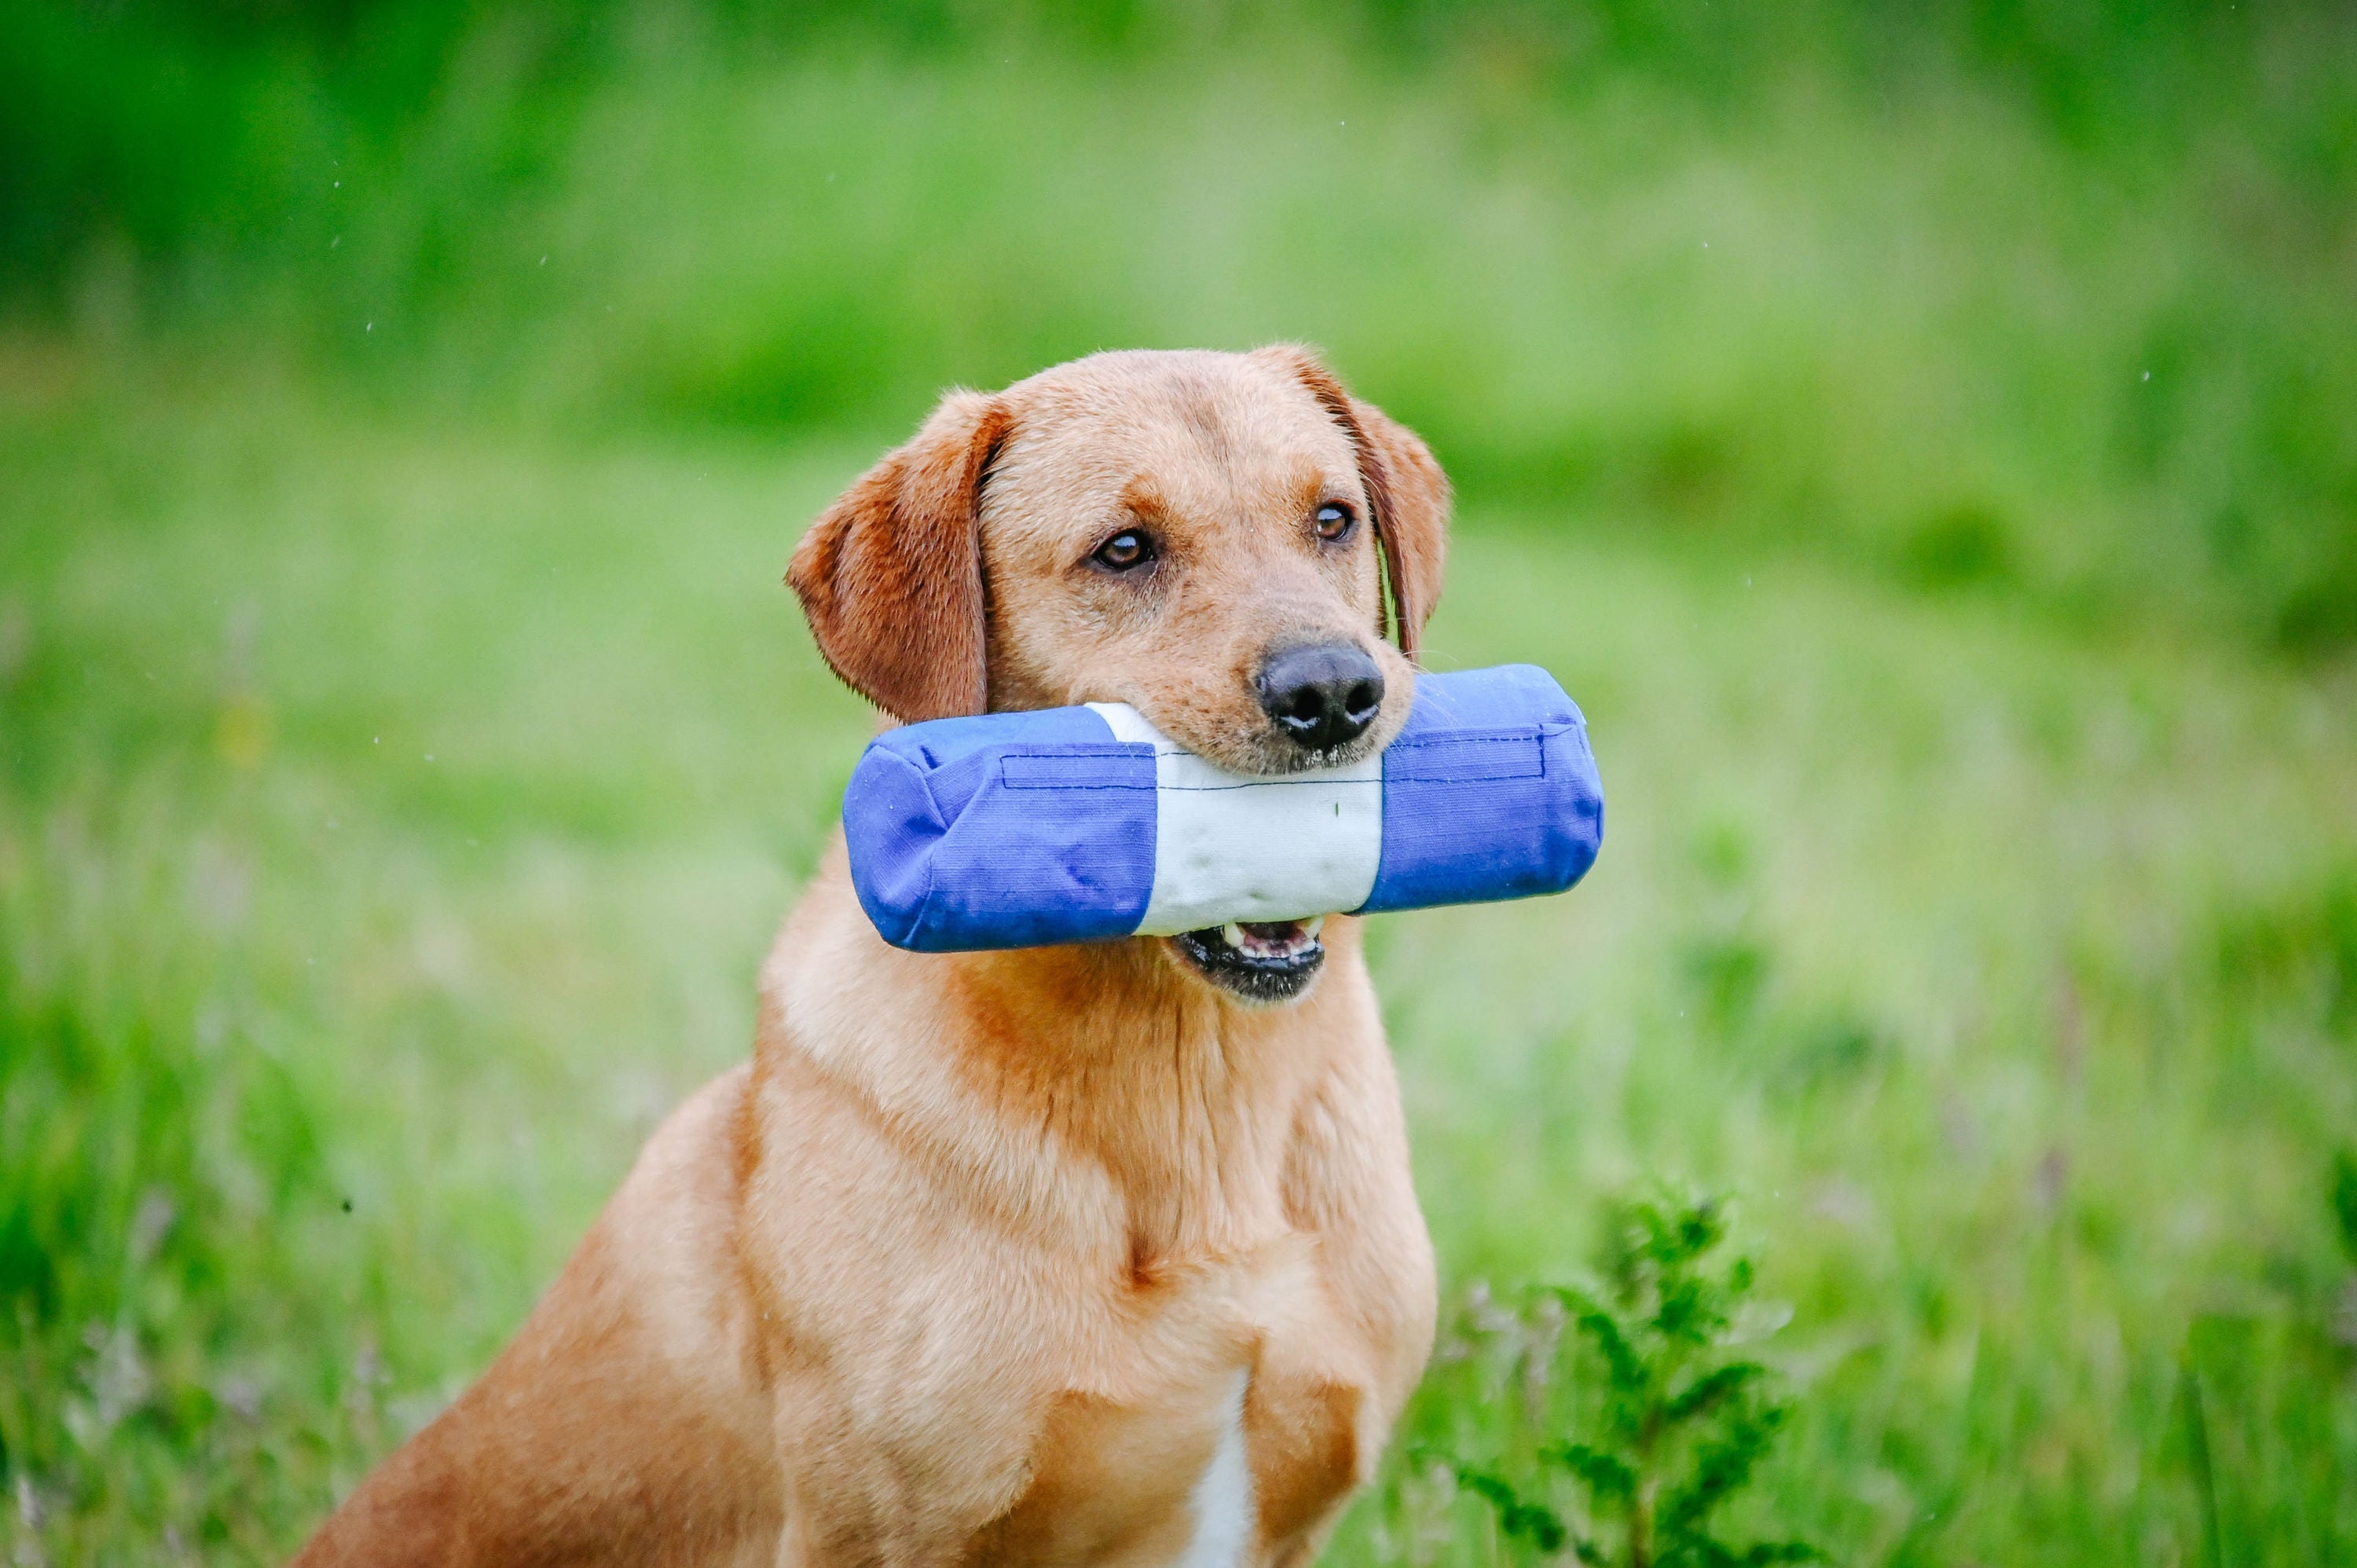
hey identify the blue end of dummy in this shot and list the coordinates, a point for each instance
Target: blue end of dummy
(1489, 792)
(1002, 831)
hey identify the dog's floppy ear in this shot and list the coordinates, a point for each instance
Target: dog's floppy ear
(1405, 490)
(890, 576)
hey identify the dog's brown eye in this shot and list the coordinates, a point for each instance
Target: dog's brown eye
(1125, 552)
(1333, 520)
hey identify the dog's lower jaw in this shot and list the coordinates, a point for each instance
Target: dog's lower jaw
(1263, 964)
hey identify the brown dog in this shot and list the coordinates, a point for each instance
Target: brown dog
(1101, 1254)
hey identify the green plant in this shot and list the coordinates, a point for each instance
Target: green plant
(1673, 1424)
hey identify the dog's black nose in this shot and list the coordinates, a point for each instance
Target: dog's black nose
(1324, 694)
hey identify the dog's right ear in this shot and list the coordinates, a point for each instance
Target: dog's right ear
(1405, 490)
(890, 576)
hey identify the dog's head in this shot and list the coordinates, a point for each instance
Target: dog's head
(1209, 538)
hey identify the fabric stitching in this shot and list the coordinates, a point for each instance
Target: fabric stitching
(1114, 751)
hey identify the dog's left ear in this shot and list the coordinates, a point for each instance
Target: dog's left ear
(890, 576)
(1405, 490)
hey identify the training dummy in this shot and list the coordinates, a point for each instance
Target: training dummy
(1078, 824)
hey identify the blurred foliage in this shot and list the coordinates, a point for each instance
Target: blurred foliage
(2047, 300)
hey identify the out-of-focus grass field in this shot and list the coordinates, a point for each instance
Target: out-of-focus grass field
(1928, 450)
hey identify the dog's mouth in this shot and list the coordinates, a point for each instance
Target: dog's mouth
(1259, 961)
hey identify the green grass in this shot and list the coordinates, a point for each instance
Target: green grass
(393, 813)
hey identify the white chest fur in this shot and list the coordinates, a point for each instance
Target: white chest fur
(1222, 1500)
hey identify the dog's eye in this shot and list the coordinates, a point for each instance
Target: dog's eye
(1125, 552)
(1333, 520)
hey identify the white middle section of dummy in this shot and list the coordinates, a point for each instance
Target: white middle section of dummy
(1233, 846)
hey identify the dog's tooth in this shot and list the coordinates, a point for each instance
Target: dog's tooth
(1234, 932)
(1310, 927)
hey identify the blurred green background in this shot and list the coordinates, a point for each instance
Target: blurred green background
(1924, 438)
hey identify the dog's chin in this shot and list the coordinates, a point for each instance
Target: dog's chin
(1264, 962)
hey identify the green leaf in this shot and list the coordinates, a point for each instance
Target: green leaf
(1696, 1552)
(1517, 1516)
(1626, 1368)
(1699, 1228)
(1608, 1478)
(1721, 1468)
(1689, 1312)
(1707, 1392)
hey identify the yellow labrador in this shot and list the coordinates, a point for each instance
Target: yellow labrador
(1101, 1254)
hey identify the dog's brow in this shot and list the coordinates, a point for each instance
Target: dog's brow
(1143, 497)
(1200, 410)
(1312, 484)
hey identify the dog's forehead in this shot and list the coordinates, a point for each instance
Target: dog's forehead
(1192, 428)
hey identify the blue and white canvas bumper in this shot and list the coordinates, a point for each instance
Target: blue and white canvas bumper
(1078, 824)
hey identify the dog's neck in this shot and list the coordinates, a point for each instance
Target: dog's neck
(1181, 1094)
(1047, 1069)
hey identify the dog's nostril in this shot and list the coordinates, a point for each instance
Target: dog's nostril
(1322, 695)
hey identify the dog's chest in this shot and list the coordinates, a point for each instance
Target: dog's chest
(1220, 1463)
